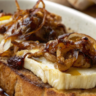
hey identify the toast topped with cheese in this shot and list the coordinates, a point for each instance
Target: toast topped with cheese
(38, 57)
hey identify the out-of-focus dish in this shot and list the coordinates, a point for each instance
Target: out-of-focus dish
(78, 4)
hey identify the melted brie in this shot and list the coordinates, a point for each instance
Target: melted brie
(72, 79)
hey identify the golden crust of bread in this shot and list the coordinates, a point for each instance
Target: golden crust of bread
(25, 83)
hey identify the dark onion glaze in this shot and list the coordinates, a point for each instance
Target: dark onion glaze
(16, 62)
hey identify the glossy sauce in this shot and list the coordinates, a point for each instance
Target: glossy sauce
(16, 62)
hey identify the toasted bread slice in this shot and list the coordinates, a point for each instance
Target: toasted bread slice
(25, 83)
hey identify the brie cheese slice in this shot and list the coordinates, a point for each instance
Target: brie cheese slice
(74, 78)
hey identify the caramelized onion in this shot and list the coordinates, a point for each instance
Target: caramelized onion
(27, 45)
(43, 21)
(31, 25)
(50, 57)
(38, 28)
(37, 4)
(17, 5)
(72, 49)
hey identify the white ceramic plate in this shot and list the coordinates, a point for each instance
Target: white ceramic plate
(79, 22)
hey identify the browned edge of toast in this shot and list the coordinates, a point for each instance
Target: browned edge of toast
(25, 83)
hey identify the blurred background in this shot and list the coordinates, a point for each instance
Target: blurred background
(85, 6)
